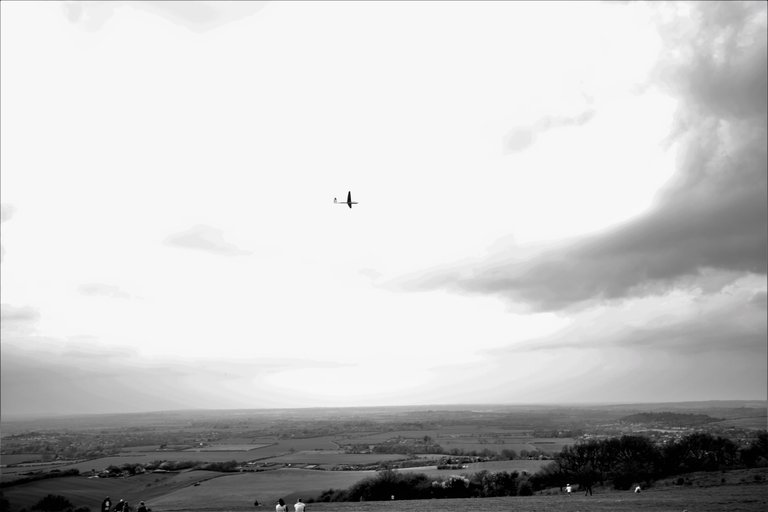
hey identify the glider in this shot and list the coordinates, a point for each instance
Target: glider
(349, 201)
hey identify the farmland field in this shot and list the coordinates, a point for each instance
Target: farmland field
(267, 487)
(468, 444)
(19, 458)
(529, 466)
(144, 458)
(267, 450)
(332, 457)
(274, 439)
(472, 439)
(229, 447)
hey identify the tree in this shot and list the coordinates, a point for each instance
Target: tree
(497, 484)
(633, 459)
(756, 454)
(113, 470)
(508, 454)
(524, 488)
(53, 503)
(700, 452)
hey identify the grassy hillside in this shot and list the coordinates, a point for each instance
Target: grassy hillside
(90, 492)
(734, 491)
(745, 498)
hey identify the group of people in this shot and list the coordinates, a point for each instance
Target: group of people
(299, 506)
(588, 489)
(122, 506)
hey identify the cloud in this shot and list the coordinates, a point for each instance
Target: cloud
(196, 16)
(370, 273)
(712, 214)
(760, 299)
(17, 322)
(731, 320)
(683, 344)
(205, 238)
(76, 376)
(6, 212)
(104, 290)
(17, 314)
(715, 56)
(522, 137)
(64, 383)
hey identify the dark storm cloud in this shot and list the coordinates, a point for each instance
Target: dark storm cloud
(716, 63)
(728, 322)
(204, 238)
(713, 213)
(702, 334)
(104, 290)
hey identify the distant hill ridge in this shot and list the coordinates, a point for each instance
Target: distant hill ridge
(672, 419)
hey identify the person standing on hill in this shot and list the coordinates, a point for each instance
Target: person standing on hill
(299, 506)
(281, 506)
(142, 507)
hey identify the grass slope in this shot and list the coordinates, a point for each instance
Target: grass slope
(733, 491)
(744, 498)
(90, 492)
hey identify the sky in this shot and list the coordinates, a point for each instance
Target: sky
(558, 203)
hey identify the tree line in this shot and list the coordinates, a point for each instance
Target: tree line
(621, 462)
(630, 460)
(50, 503)
(388, 484)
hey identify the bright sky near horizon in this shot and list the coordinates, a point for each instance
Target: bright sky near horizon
(558, 201)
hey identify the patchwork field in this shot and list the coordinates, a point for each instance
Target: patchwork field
(474, 439)
(229, 447)
(135, 458)
(274, 440)
(333, 457)
(234, 490)
(472, 443)
(267, 449)
(19, 458)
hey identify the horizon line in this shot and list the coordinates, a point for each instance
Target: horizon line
(10, 417)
